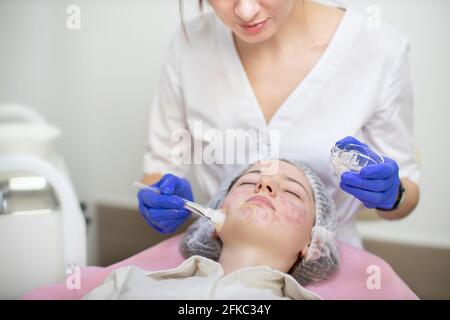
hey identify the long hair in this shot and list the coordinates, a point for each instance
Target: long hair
(181, 9)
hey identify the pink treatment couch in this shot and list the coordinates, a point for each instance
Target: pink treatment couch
(352, 281)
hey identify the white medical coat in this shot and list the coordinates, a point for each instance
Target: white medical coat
(360, 87)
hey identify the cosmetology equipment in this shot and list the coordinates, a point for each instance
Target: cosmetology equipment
(217, 217)
(42, 227)
(353, 157)
(23, 130)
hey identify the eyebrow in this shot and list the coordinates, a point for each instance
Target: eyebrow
(283, 175)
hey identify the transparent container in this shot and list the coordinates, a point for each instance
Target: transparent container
(353, 157)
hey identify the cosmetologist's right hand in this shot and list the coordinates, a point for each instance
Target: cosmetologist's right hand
(164, 212)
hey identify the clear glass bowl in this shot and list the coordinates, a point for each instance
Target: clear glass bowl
(353, 157)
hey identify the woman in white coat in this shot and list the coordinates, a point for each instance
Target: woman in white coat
(310, 72)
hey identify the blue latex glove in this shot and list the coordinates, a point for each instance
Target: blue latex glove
(164, 212)
(376, 185)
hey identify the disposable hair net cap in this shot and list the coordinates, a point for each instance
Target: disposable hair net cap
(322, 259)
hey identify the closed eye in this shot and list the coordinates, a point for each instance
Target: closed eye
(293, 193)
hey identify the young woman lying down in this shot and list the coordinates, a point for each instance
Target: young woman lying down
(278, 235)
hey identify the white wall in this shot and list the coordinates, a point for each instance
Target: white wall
(97, 84)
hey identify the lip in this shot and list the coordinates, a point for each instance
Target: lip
(260, 200)
(254, 27)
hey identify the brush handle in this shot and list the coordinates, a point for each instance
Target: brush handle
(215, 216)
(187, 204)
(141, 185)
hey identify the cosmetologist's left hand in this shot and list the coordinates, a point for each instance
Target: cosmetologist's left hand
(376, 185)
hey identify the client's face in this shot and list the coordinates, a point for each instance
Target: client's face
(272, 209)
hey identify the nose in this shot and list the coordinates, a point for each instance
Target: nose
(247, 10)
(266, 184)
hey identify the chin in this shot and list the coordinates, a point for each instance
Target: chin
(242, 228)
